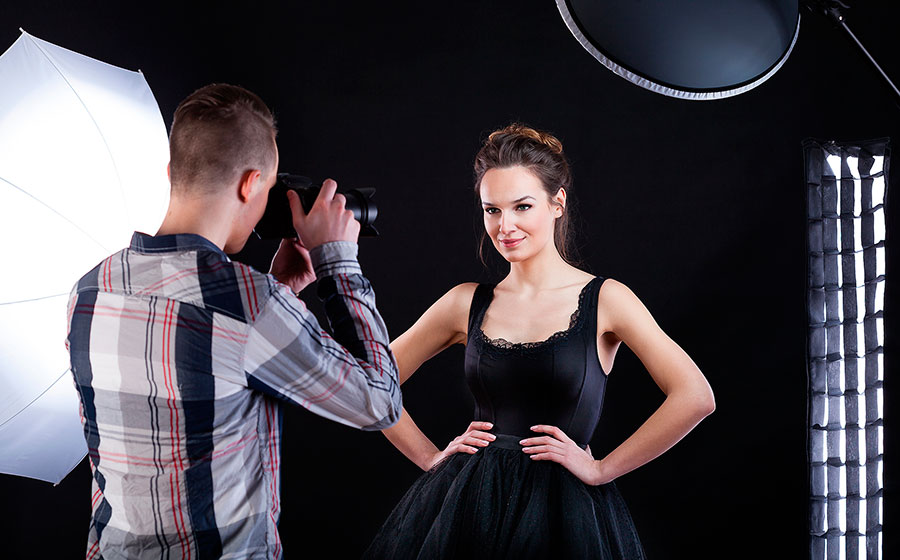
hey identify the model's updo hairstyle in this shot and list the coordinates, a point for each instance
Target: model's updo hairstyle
(542, 154)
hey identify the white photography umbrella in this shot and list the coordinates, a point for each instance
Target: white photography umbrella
(83, 154)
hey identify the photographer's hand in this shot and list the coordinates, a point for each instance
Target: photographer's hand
(292, 265)
(328, 219)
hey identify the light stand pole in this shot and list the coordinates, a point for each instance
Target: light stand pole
(833, 10)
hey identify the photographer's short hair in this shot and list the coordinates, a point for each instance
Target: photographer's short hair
(219, 132)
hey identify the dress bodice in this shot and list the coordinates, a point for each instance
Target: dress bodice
(499, 502)
(558, 381)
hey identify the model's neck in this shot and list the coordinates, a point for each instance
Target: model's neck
(541, 271)
(209, 217)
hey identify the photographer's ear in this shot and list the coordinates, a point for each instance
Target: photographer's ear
(250, 181)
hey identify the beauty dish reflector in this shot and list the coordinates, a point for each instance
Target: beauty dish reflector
(689, 49)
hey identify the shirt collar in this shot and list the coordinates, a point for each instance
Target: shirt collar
(143, 243)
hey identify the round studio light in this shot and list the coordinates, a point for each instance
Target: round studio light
(689, 49)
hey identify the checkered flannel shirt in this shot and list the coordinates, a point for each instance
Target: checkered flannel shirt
(182, 359)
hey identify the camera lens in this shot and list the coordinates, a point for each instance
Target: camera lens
(277, 222)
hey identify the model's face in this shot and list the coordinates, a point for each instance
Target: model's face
(518, 216)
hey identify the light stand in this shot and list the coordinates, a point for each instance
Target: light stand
(832, 9)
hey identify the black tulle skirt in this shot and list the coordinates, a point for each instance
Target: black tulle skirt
(499, 503)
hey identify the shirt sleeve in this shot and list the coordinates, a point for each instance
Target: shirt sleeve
(350, 377)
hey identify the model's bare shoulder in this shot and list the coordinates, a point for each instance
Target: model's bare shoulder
(615, 294)
(454, 307)
(462, 294)
(620, 310)
(612, 289)
(447, 318)
(442, 325)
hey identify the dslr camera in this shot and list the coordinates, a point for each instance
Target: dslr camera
(277, 222)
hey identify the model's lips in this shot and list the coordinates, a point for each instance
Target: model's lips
(509, 243)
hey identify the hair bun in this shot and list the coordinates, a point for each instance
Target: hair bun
(518, 129)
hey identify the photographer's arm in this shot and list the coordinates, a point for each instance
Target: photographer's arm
(351, 377)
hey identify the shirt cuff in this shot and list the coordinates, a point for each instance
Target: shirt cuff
(335, 257)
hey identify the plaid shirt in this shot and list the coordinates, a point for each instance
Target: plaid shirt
(182, 359)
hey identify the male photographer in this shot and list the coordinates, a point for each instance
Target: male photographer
(182, 358)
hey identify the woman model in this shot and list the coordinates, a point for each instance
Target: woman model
(521, 481)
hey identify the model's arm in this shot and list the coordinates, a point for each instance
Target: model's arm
(689, 397)
(442, 325)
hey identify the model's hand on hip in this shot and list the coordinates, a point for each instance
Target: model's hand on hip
(469, 442)
(328, 219)
(559, 448)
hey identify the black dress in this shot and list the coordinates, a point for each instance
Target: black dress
(499, 503)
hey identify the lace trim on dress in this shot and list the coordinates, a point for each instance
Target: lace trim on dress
(575, 322)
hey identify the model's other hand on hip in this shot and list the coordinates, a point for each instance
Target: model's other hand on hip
(559, 448)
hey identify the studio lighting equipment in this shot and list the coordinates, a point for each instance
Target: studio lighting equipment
(846, 195)
(689, 49)
(83, 154)
(697, 49)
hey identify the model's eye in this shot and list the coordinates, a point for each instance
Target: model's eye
(523, 207)
(491, 210)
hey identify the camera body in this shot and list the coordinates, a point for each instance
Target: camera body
(277, 222)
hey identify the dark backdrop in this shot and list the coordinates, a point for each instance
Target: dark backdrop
(697, 206)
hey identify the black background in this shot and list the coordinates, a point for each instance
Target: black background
(697, 206)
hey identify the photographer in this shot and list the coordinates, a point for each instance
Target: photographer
(182, 358)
